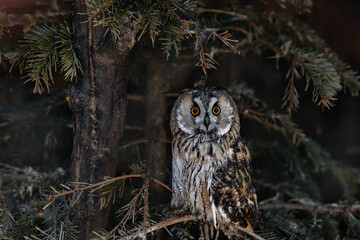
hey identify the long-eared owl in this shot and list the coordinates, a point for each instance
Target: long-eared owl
(211, 165)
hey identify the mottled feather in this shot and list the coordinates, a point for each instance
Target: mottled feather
(211, 165)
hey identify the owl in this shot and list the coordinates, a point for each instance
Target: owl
(211, 165)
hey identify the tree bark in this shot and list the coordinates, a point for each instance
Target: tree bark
(98, 101)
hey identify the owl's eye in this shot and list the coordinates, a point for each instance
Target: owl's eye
(195, 111)
(216, 110)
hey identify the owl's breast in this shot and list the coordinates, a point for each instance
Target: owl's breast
(201, 163)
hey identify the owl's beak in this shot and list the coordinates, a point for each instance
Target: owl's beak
(207, 121)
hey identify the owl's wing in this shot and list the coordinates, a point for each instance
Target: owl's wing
(177, 183)
(232, 194)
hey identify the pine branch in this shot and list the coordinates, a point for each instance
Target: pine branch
(251, 107)
(151, 22)
(52, 198)
(315, 68)
(38, 55)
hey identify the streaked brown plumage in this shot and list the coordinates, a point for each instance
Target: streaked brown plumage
(211, 165)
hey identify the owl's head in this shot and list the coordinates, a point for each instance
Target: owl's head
(204, 110)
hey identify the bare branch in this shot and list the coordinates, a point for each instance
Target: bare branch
(163, 224)
(313, 208)
(247, 113)
(175, 220)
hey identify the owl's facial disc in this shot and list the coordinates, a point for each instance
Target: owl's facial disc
(217, 119)
(209, 114)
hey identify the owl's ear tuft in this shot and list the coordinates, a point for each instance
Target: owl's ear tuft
(210, 88)
(221, 89)
(184, 90)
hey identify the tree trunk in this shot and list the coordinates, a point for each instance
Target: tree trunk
(98, 101)
(155, 104)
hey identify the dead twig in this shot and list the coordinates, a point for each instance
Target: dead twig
(162, 184)
(244, 230)
(136, 142)
(247, 113)
(142, 140)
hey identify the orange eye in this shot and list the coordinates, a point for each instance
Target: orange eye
(195, 111)
(216, 110)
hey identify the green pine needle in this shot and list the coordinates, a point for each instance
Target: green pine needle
(42, 51)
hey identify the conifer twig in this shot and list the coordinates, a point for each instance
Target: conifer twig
(225, 38)
(173, 12)
(290, 97)
(124, 219)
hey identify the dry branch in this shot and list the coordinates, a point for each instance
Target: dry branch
(224, 12)
(312, 208)
(247, 113)
(254, 235)
(142, 140)
(175, 220)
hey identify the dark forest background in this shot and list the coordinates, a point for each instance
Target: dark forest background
(36, 131)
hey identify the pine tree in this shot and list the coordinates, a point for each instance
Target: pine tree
(107, 42)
